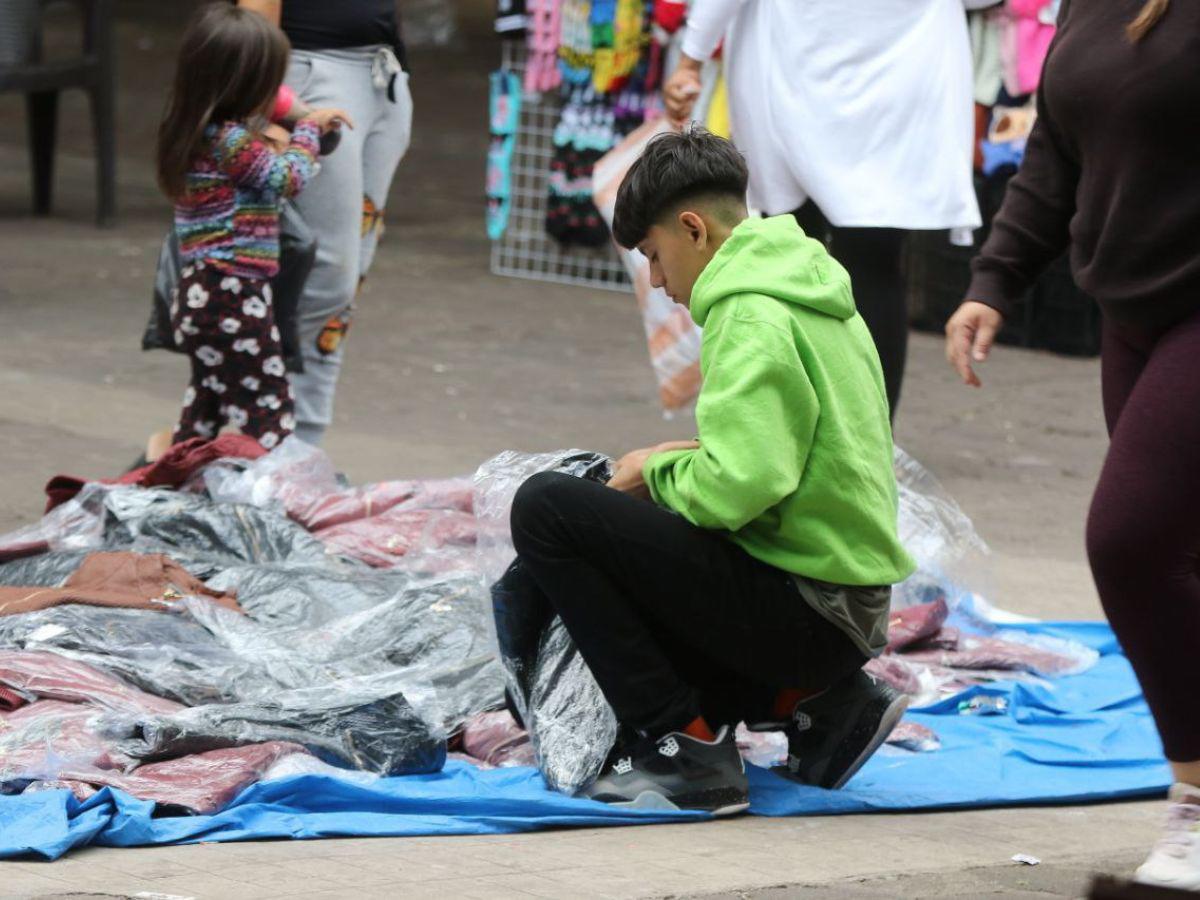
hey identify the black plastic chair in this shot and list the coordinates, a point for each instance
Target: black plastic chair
(94, 71)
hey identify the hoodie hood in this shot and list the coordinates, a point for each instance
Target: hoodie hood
(775, 258)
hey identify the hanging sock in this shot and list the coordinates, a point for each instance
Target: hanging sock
(504, 107)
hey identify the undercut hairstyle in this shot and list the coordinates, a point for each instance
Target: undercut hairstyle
(676, 169)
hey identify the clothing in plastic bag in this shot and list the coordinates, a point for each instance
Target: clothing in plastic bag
(50, 676)
(432, 627)
(49, 738)
(170, 656)
(114, 578)
(75, 524)
(190, 525)
(385, 736)
(173, 469)
(495, 740)
(293, 594)
(48, 569)
(571, 725)
(201, 783)
(496, 484)
(420, 524)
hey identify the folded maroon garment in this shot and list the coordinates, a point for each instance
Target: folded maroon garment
(995, 654)
(495, 739)
(46, 737)
(203, 783)
(380, 540)
(908, 626)
(49, 676)
(10, 700)
(354, 504)
(66, 754)
(175, 467)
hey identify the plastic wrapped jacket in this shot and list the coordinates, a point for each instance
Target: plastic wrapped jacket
(297, 252)
(550, 688)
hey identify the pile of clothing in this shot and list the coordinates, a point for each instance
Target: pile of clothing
(227, 616)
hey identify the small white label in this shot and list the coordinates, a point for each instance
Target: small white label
(1026, 860)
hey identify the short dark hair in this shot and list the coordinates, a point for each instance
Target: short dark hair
(674, 168)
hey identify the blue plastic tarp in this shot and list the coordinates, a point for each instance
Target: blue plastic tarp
(1082, 738)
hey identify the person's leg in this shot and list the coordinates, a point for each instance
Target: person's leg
(1143, 529)
(385, 146)
(1142, 537)
(331, 205)
(647, 596)
(874, 259)
(1123, 357)
(257, 396)
(194, 306)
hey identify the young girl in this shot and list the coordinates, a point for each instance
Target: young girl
(227, 182)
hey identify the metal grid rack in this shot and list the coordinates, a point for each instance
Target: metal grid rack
(526, 250)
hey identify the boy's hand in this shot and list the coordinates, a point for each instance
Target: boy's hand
(681, 90)
(329, 119)
(970, 334)
(627, 474)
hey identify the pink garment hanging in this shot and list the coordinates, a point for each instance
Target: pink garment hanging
(1024, 42)
(542, 39)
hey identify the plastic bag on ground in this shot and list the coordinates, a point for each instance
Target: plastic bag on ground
(571, 725)
(385, 735)
(939, 536)
(75, 525)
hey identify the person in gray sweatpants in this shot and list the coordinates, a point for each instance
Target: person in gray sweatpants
(344, 206)
(349, 55)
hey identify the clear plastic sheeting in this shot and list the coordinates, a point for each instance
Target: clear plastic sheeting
(414, 525)
(188, 526)
(385, 736)
(497, 482)
(937, 533)
(294, 476)
(571, 725)
(75, 525)
(431, 636)
(168, 654)
(48, 569)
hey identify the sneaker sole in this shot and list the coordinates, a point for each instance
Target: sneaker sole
(650, 800)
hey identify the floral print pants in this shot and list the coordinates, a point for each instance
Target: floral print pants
(227, 327)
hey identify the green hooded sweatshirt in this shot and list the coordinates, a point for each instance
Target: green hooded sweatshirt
(795, 458)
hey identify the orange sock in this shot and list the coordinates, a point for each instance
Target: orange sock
(786, 700)
(699, 729)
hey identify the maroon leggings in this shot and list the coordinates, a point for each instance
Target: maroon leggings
(1143, 533)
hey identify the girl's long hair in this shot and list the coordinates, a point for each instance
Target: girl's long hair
(1150, 15)
(231, 64)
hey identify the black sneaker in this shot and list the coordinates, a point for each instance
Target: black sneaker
(832, 735)
(675, 772)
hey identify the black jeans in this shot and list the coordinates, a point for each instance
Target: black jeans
(874, 259)
(673, 620)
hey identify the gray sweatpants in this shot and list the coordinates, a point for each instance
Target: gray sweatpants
(343, 205)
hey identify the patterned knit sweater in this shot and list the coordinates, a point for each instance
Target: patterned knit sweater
(228, 215)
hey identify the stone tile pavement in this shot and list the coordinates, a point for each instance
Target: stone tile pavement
(935, 854)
